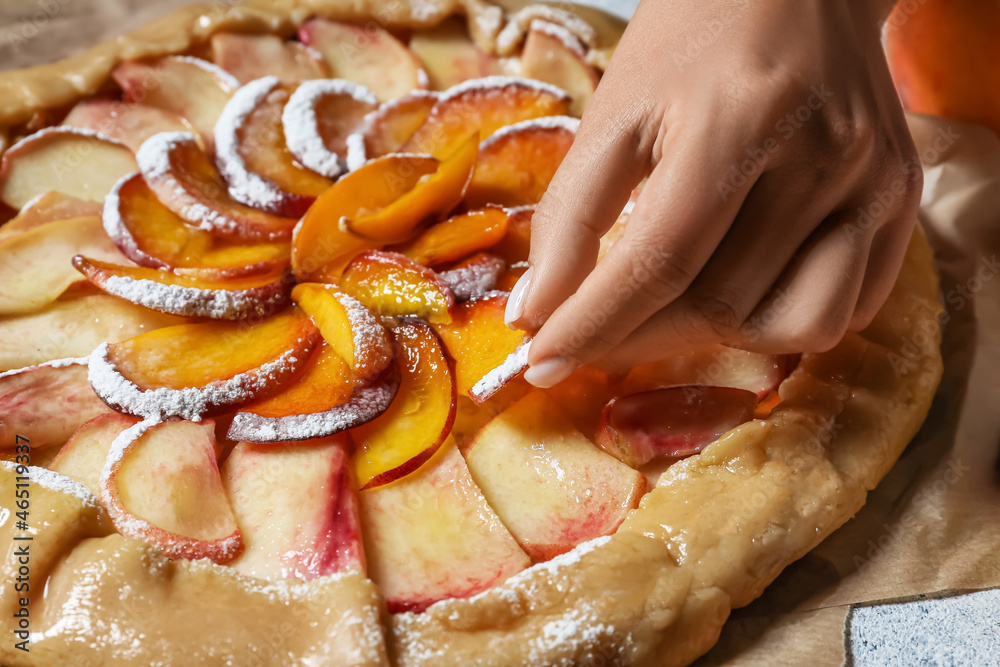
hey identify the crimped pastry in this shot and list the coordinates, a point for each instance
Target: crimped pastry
(717, 528)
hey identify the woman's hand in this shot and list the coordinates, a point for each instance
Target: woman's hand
(782, 189)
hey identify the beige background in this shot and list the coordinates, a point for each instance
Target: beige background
(933, 525)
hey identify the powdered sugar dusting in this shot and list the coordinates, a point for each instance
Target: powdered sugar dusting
(154, 154)
(301, 124)
(423, 81)
(561, 33)
(576, 631)
(498, 83)
(222, 75)
(245, 186)
(187, 403)
(55, 363)
(118, 447)
(567, 123)
(475, 280)
(510, 37)
(54, 481)
(489, 20)
(357, 151)
(515, 364)
(552, 567)
(367, 402)
(369, 334)
(217, 304)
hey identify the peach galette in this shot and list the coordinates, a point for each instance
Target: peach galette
(253, 366)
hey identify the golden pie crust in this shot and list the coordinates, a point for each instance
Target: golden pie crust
(717, 528)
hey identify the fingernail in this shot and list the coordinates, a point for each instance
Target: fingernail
(515, 302)
(550, 372)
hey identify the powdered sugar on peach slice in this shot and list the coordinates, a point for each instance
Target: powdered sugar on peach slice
(368, 399)
(186, 181)
(161, 484)
(186, 295)
(353, 331)
(484, 106)
(475, 278)
(224, 366)
(318, 119)
(253, 157)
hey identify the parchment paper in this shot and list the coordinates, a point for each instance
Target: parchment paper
(932, 527)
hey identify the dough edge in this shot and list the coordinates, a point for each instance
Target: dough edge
(658, 591)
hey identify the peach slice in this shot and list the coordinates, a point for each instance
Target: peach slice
(515, 245)
(392, 285)
(49, 207)
(232, 299)
(348, 326)
(450, 56)
(367, 55)
(318, 119)
(194, 89)
(432, 536)
(555, 55)
(309, 482)
(161, 485)
(82, 457)
(484, 106)
(131, 124)
(518, 162)
(714, 365)
(327, 398)
(487, 354)
(185, 181)
(46, 403)
(72, 327)
(249, 57)
(474, 278)
(457, 237)
(409, 432)
(152, 235)
(671, 423)
(36, 266)
(386, 129)
(565, 491)
(80, 163)
(225, 365)
(430, 199)
(320, 247)
(253, 156)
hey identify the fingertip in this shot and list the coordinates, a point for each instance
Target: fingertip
(515, 302)
(550, 372)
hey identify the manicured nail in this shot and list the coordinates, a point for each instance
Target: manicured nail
(550, 372)
(515, 302)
